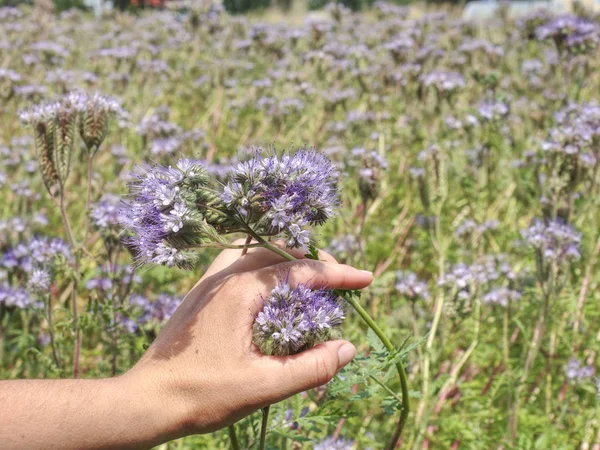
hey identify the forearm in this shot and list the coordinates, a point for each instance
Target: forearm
(81, 414)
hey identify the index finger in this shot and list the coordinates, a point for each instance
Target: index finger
(315, 273)
(256, 258)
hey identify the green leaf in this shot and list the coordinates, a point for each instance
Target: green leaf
(293, 436)
(374, 341)
(313, 253)
(390, 405)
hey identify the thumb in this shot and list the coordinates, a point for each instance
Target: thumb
(307, 370)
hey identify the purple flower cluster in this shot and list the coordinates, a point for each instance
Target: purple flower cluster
(493, 110)
(576, 133)
(282, 194)
(556, 241)
(106, 278)
(444, 82)
(31, 265)
(39, 252)
(576, 371)
(106, 213)
(331, 443)
(575, 33)
(296, 319)
(485, 278)
(153, 312)
(469, 227)
(410, 286)
(12, 297)
(502, 296)
(162, 213)
(344, 246)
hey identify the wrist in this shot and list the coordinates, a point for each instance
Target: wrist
(154, 413)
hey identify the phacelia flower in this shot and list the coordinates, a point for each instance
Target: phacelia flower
(296, 319)
(409, 285)
(39, 281)
(501, 296)
(167, 213)
(106, 213)
(330, 443)
(281, 194)
(556, 241)
(158, 311)
(576, 371)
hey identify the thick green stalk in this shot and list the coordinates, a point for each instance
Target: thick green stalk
(399, 367)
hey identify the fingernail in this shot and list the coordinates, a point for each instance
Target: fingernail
(346, 353)
(367, 271)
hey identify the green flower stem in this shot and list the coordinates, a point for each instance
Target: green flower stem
(226, 246)
(371, 323)
(48, 304)
(90, 163)
(235, 445)
(248, 240)
(399, 367)
(263, 427)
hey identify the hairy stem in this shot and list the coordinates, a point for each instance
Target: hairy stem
(263, 427)
(245, 249)
(88, 198)
(69, 232)
(235, 445)
(51, 331)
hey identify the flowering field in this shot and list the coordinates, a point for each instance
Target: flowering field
(466, 156)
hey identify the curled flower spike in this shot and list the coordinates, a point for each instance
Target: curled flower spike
(55, 126)
(95, 111)
(296, 319)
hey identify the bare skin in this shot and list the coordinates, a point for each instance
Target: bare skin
(201, 374)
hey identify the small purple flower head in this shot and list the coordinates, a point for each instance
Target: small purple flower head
(154, 312)
(16, 297)
(106, 214)
(409, 285)
(468, 228)
(493, 110)
(344, 247)
(296, 319)
(444, 82)
(578, 35)
(331, 443)
(39, 281)
(576, 371)
(556, 241)
(281, 194)
(501, 296)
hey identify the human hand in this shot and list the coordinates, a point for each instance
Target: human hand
(203, 372)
